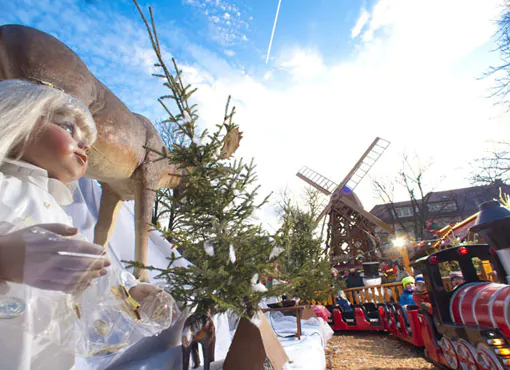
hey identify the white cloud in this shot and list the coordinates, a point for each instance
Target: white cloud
(404, 84)
(412, 81)
(228, 19)
(360, 23)
(303, 64)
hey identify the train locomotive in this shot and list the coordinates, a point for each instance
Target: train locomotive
(468, 327)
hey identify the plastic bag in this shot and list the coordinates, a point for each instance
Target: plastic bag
(100, 320)
(109, 318)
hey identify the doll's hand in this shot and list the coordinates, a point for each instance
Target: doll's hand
(47, 257)
(157, 307)
(141, 291)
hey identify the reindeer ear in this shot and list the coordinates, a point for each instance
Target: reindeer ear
(231, 143)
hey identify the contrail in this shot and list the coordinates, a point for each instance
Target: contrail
(274, 28)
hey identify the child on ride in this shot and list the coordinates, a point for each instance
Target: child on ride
(421, 296)
(342, 301)
(51, 279)
(456, 279)
(406, 298)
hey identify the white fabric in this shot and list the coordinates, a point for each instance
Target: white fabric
(28, 197)
(84, 211)
(305, 354)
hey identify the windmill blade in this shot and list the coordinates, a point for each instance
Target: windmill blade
(325, 211)
(365, 163)
(315, 179)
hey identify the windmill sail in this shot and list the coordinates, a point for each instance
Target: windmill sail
(319, 182)
(360, 169)
(351, 230)
(365, 163)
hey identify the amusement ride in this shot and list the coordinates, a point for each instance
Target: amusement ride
(467, 327)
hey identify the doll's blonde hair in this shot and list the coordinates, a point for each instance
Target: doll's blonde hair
(23, 104)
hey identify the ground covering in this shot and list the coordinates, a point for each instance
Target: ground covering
(373, 351)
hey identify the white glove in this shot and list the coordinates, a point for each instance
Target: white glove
(51, 257)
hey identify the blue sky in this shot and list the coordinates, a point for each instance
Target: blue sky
(340, 73)
(110, 37)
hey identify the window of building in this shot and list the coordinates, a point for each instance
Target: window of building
(437, 207)
(402, 212)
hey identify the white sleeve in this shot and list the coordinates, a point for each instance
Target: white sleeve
(11, 216)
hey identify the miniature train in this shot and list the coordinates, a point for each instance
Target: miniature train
(470, 326)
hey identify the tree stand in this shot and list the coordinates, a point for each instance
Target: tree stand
(255, 347)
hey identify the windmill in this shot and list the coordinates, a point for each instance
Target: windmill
(351, 229)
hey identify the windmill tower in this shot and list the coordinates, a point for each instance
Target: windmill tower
(351, 229)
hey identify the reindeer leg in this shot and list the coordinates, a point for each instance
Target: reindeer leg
(107, 217)
(208, 344)
(212, 345)
(208, 352)
(144, 201)
(186, 351)
(149, 176)
(194, 354)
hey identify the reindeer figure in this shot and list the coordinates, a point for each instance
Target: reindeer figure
(198, 329)
(119, 158)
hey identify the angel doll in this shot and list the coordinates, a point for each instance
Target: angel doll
(58, 290)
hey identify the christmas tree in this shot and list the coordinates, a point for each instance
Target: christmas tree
(213, 225)
(305, 262)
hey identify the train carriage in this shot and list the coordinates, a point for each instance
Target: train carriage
(469, 327)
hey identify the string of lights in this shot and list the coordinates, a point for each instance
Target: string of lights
(412, 244)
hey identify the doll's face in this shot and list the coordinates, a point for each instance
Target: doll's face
(60, 148)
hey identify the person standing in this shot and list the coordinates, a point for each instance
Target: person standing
(400, 271)
(354, 279)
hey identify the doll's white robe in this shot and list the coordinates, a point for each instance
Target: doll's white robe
(28, 197)
(121, 247)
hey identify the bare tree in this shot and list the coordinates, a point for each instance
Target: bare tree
(501, 73)
(494, 167)
(385, 190)
(411, 178)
